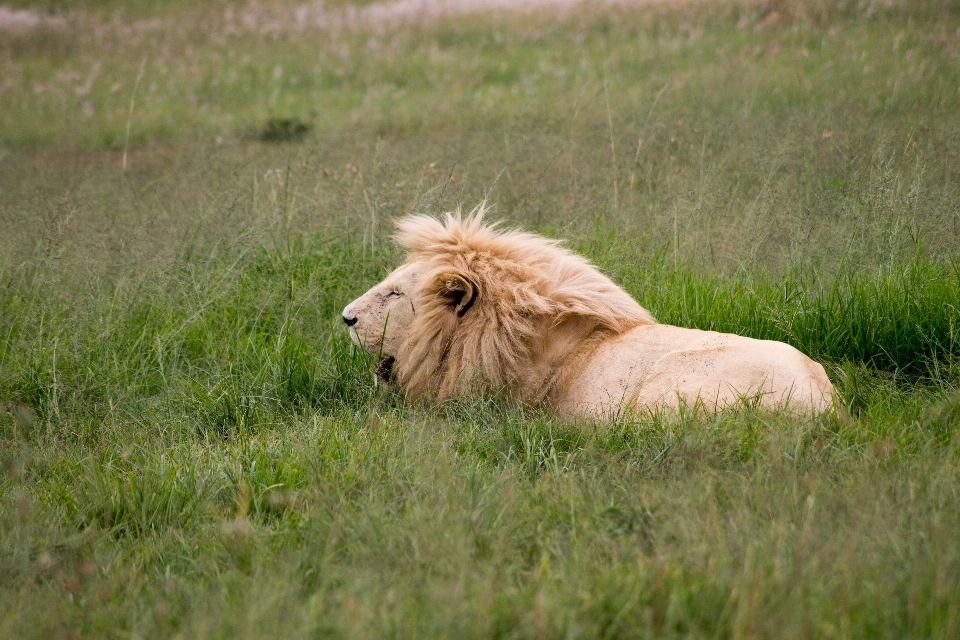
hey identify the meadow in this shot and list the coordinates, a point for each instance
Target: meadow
(190, 193)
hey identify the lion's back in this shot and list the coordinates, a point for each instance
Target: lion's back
(663, 366)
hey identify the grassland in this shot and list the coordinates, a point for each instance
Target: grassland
(190, 447)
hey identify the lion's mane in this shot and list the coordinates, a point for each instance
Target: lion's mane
(493, 304)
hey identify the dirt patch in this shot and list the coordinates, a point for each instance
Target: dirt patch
(25, 20)
(270, 18)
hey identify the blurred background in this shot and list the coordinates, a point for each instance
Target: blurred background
(767, 135)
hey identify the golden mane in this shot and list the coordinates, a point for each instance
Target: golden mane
(492, 305)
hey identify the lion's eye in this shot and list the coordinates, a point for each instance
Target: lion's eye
(393, 294)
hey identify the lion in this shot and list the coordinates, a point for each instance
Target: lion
(477, 308)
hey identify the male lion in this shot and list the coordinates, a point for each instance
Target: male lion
(476, 307)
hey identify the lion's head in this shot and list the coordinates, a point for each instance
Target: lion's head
(380, 319)
(476, 306)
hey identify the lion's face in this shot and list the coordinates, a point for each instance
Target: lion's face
(380, 319)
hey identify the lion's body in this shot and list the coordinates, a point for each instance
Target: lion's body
(474, 308)
(662, 366)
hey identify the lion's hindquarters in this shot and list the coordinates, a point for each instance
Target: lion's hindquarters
(662, 366)
(772, 375)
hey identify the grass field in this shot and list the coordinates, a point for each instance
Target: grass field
(191, 192)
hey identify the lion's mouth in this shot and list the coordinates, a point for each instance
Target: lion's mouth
(385, 368)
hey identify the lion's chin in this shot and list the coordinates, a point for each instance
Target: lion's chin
(354, 338)
(385, 369)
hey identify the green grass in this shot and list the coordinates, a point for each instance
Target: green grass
(190, 446)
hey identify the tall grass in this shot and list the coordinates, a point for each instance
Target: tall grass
(190, 446)
(233, 340)
(902, 319)
(227, 340)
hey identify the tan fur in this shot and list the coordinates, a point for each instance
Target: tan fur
(475, 309)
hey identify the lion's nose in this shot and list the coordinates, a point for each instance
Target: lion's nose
(349, 321)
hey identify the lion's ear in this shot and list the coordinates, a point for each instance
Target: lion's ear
(459, 292)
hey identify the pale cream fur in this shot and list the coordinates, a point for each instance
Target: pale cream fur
(476, 309)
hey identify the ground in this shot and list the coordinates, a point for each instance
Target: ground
(191, 192)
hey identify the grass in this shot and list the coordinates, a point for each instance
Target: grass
(189, 445)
